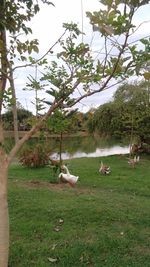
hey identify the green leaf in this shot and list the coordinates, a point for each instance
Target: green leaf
(147, 75)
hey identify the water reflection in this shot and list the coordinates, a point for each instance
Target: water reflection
(89, 147)
(99, 152)
(78, 147)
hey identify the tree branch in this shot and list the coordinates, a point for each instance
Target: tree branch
(34, 129)
(110, 76)
(32, 64)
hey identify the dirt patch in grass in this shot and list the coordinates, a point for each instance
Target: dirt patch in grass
(51, 186)
(141, 250)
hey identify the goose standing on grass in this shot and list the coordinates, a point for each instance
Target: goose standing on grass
(67, 177)
(133, 161)
(104, 169)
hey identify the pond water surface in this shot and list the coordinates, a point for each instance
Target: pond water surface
(78, 147)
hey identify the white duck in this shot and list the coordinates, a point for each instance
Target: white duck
(104, 169)
(67, 177)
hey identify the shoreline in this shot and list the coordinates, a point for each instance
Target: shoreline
(10, 134)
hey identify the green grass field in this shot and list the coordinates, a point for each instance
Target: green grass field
(103, 221)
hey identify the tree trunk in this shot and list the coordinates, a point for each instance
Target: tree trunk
(60, 148)
(4, 218)
(14, 105)
(3, 55)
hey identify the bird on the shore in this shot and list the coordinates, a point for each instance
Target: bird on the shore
(67, 177)
(133, 161)
(104, 169)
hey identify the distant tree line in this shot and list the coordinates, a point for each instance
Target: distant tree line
(128, 115)
(24, 117)
(76, 121)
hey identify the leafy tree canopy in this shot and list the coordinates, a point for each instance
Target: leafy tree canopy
(129, 111)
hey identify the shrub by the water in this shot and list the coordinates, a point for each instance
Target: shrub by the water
(34, 157)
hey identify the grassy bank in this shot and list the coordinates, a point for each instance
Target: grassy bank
(103, 221)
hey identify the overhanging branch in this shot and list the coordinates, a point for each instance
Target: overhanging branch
(34, 129)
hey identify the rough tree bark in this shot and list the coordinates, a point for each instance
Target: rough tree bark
(4, 219)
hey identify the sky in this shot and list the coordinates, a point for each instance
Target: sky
(47, 28)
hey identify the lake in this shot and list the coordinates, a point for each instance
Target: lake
(89, 146)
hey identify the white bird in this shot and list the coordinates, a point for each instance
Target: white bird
(67, 177)
(104, 169)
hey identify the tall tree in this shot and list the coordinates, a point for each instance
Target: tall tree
(127, 115)
(74, 68)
